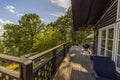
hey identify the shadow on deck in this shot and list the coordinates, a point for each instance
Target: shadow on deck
(76, 66)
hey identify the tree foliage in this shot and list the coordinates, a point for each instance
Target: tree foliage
(31, 35)
(18, 39)
(1, 46)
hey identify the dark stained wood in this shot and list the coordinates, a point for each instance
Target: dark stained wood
(42, 71)
(46, 69)
(76, 66)
(87, 12)
(9, 72)
(109, 17)
(88, 28)
(45, 52)
(81, 12)
(27, 71)
(15, 59)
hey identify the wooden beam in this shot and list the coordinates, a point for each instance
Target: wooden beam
(87, 28)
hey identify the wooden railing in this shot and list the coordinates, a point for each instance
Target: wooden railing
(41, 66)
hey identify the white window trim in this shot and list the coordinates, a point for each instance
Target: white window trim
(116, 45)
(114, 42)
(99, 42)
(106, 39)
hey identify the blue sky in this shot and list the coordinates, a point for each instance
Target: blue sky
(48, 10)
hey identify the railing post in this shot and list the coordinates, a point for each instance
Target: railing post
(68, 46)
(54, 61)
(27, 71)
(64, 46)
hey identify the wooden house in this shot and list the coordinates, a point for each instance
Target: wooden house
(103, 16)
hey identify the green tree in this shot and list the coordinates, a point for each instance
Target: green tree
(31, 35)
(48, 38)
(30, 26)
(1, 46)
(64, 24)
(18, 39)
(11, 38)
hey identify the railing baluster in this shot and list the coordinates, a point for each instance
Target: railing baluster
(64, 50)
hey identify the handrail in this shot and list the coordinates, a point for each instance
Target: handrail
(15, 59)
(25, 68)
(45, 52)
(10, 72)
(27, 72)
(47, 68)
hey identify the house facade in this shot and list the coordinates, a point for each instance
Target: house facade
(108, 29)
(104, 17)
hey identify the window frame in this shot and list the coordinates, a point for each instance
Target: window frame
(117, 45)
(106, 40)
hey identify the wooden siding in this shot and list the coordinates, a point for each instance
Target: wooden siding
(109, 18)
(87, 12)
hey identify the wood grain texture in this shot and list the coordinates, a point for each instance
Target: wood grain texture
(76, 66)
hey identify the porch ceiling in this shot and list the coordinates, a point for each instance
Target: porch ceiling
(87, 12)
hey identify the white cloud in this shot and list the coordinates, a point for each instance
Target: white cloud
(45, 21)
(57, 14)
(1, 21)
(42, 19)
(10, 8)
(5, 21)
(62, 3)
(1, 28)
(9, 22)
(19, 14)
(1, 33)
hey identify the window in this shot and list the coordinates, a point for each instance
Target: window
(103, 39)
(106, 44)
(109, 45)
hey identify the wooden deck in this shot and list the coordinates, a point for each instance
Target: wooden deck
(76, 66)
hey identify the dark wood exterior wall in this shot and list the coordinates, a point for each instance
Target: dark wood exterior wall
(109, 18)
(87, 12)
(94, 14)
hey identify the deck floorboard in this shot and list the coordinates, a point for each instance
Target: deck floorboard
(76, 66)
